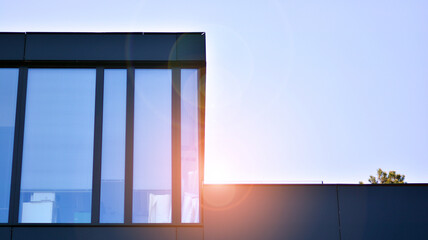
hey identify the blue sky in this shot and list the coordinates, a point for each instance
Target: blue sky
(297, 91)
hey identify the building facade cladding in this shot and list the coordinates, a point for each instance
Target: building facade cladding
(101, 128)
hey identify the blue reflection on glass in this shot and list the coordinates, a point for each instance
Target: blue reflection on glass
(56, 182)
(189, 147)
(113, 150)
(8, 92)
(152, 146)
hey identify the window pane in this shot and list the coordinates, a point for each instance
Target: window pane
(189, 147)
(58, 146)
(8, 92)
(152, 146)
(113, 150)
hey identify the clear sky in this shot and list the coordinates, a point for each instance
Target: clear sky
(297, 91)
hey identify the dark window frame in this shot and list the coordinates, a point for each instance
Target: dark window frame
(100, 66)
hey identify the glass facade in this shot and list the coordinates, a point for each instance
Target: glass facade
(189, 147)
(56, 180)
(59, 157)
(113, 147)
(152, 146)
(8, 93)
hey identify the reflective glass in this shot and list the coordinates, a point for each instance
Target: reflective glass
(152, 146)
(113, 149)
(189, 147)
(56, 182)
(8, 93)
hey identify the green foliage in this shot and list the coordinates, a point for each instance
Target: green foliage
(387, 178)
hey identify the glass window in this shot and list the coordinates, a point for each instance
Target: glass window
(189, 147)
(58, 146)
(113, 150)
(152, 146)
(8, 93)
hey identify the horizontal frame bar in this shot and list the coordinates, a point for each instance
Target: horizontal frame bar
(105, 64)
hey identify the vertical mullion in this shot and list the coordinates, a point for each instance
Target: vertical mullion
(129, 154)
(15, 188)
(98, 131)
(201, 132)
(176, 145)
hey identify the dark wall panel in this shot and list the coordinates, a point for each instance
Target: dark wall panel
(191, 46)
(102, 46)
(190, 233)
(384, 212)
(94, 233)
(106, 47)
(4, 233)
(248, 212)
(12, 46)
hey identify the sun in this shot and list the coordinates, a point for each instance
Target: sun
(217, 173)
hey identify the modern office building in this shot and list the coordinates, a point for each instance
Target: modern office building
(102, 137)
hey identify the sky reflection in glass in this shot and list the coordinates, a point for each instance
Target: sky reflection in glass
(8, 93)
(152, 146)
(113, 150)
(58, 146)
(189, 146)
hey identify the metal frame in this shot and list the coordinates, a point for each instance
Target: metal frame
(129, 148)
(18, 145)
(100, 66)
(98, 136)
(176, 145)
